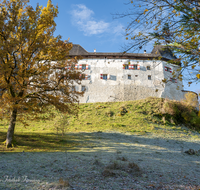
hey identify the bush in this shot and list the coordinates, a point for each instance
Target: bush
(109, 113)
(61, 123)
(122, 111)
(191, 99)
(181, 113)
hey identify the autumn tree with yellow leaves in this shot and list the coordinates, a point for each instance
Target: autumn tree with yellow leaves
(32, 62)
(172, 23)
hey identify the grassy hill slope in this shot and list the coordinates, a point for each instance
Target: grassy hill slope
(151, 116)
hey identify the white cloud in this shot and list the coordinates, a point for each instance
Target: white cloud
(81, 13)
(82, 17)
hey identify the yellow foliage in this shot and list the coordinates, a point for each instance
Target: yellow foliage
(191, 99)
(28, 45)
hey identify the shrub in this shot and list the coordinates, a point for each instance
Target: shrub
(180, 112)
(191, 99)
(61, 122)
(122, 110)
(109, 113)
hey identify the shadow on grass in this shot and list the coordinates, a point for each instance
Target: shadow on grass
(40, 142)
(95, 141)
(83, 150)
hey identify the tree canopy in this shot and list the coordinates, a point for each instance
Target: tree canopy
(32, 63)
(173, 23)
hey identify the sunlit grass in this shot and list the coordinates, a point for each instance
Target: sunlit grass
(134, 117)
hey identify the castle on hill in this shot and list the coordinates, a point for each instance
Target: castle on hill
(110, 77)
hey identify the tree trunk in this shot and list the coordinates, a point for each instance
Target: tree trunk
(10, 133)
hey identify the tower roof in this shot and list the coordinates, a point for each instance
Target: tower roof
(163, 51)
(77, 50)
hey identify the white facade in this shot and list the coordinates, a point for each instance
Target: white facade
(108, 80)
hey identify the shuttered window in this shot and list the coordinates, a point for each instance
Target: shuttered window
(168, 69)
(173, 80)
(135, 67)
(131, 67)
(105, 76)
(125, 66)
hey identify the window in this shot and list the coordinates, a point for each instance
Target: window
(83, 88)
(82, 76)
(148, 68)
(131, 67)
(129, 76)
(173, 80)
(73, 88)
(125, 66)
(70, 67)
(149, 77)
(84, 67)
(168, 69)
(136, 75)
(87, 77)
(135, 67)
(104, 76)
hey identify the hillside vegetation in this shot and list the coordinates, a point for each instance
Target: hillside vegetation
(151, 116)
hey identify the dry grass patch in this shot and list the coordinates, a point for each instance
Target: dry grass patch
(119, 167)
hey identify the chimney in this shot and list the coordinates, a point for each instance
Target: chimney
(95, 50)
(145, 51)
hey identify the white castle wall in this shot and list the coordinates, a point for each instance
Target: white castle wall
(120, 88)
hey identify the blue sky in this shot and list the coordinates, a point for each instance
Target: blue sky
(91, 24)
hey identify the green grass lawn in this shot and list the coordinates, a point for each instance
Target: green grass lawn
(56, 134)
